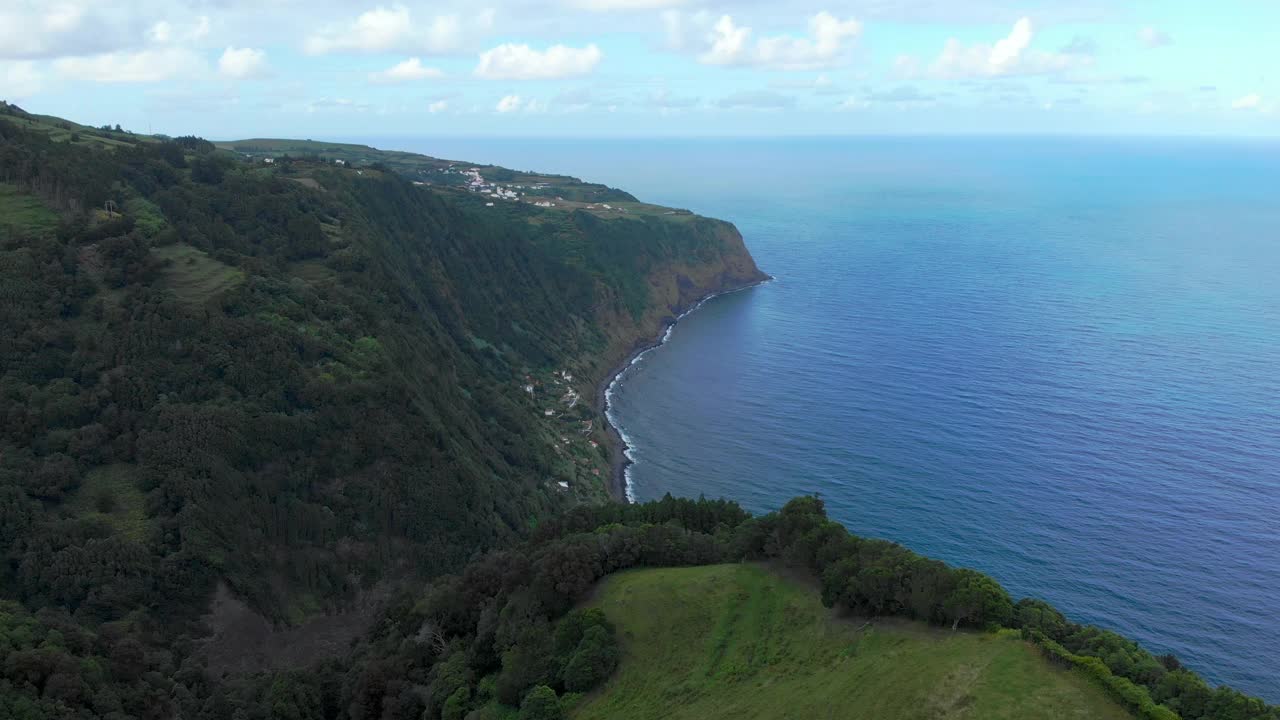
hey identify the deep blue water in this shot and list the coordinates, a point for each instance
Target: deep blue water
(1054, 360)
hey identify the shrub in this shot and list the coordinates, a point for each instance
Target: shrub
(541, 704)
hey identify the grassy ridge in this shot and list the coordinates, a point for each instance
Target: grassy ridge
(738, 641)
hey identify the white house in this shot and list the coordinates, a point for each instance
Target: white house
(268, 160)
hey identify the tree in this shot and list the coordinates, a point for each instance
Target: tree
(541, 704)
(456, 707)
(594, 660)
(977, 599)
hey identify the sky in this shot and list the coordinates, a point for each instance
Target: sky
(641, 68)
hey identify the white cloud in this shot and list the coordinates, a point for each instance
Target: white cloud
(338, 105)
(1011, 55)
(828, 42)
(521, 62)
(438, 106)
(821, 85)
(200, 30)
(242, 63)
(1007, 51)
(724, 42)
(1154, 38)
(1252, 101)
(161, 32)
(391, 29)
(407, 71)
(376, 30)
(729, 43)
(62, 17)
(679, 28)
(1080, 45)
(50, 29)
(756, 99)
(609, 5)
(19, 79)
(667, 103)
(131, 67)
(31, 29)
(514, 103)
(901, 95)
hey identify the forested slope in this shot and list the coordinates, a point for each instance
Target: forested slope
(303, 381)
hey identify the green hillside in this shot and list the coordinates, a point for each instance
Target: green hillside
(740, 641)
(298, 386)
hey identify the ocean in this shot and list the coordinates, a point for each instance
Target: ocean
(1054, 360)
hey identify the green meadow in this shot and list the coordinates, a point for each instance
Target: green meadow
(741, 641)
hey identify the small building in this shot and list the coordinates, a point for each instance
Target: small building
(548, 412)
(339, 162)
(269, 161)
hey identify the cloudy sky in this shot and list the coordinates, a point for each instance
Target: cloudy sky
(325, 68)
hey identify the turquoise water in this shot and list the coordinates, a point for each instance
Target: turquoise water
(1056, 361)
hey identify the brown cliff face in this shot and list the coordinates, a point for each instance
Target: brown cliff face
(676, 284)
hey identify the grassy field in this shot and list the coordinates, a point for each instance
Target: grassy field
(110, 492)
(24, 213)
(60, 130)
(739, 641)
(194, 276)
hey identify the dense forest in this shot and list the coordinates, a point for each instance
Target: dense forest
(300, 383)
(312, 388)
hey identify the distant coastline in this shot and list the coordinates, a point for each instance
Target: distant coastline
(619, 486)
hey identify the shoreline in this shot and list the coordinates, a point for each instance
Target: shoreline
(619, 484)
